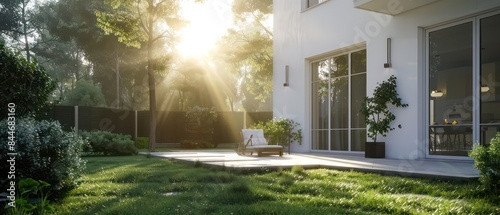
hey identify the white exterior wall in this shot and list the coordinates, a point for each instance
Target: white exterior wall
(304, 35)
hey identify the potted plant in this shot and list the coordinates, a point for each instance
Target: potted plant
(378, 116)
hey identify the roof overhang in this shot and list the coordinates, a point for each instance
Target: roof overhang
(390, 7)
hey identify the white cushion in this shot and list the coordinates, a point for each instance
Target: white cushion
(259, 141)
(257, 138)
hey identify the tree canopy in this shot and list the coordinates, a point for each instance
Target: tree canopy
(247, 47)
(85, 94)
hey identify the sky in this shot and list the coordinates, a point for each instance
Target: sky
(208, 22)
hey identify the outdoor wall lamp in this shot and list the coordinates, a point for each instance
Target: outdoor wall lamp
(388, 64)
(484, 88)
(286, 84)
(436, 93)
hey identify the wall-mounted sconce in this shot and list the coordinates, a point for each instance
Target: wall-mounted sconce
(388, 64)
(286, 84)
(484, 88)
(436, 93)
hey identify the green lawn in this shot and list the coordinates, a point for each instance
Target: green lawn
(140, 185)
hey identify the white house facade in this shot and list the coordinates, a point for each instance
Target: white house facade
(330, 54)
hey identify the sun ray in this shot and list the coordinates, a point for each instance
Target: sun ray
(207, 22)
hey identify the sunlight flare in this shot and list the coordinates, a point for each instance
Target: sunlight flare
(208, 21)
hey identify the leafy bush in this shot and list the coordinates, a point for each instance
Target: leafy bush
(29, 87)
(487, 161)
(200, 125)
(281, 131)
(33, 198)
(141, 142)
(107, 143)
(44, 151)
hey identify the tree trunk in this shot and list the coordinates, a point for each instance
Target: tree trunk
(152, 88)
(117, 70)
(25, 32)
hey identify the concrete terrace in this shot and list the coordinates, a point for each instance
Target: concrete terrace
(442, 169)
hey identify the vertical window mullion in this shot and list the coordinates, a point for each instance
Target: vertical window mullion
(349, 101)
(329, 106)
(476, 85)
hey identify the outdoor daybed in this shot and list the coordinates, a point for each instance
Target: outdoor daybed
(253, 140)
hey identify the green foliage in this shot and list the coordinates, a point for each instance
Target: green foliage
(45, 152)
(134, 22)
(378, 116)
(85, 94)
(298, 170)
(487, 161)
(141, 142)
(247, 49)
(9, 16)
(281, 131)
(201, 124)
(73, 32)
(197, 164)
(23, 83)
(202, 116)
(107, 143)
(32, 198)
(121, 23)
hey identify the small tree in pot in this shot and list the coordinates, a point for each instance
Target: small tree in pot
(378, 116)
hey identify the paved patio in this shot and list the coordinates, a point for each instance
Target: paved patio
(443, 169)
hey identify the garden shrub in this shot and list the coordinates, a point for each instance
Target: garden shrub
(25, 84)
(141, 142)
(200, 127)
(281, 131)
(107, 143)
(44, 151)
(487, 161)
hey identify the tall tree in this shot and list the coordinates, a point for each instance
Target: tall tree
(9, 16)
(136, 21)
(248, 49)
(18, 24)
(101, 58)
(57, 47)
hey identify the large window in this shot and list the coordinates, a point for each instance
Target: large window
(464, 96)
(338, 91)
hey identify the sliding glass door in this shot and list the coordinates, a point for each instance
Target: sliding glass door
(490, 77)
(463, 72)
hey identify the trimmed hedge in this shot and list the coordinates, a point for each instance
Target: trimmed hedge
(107, 143)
